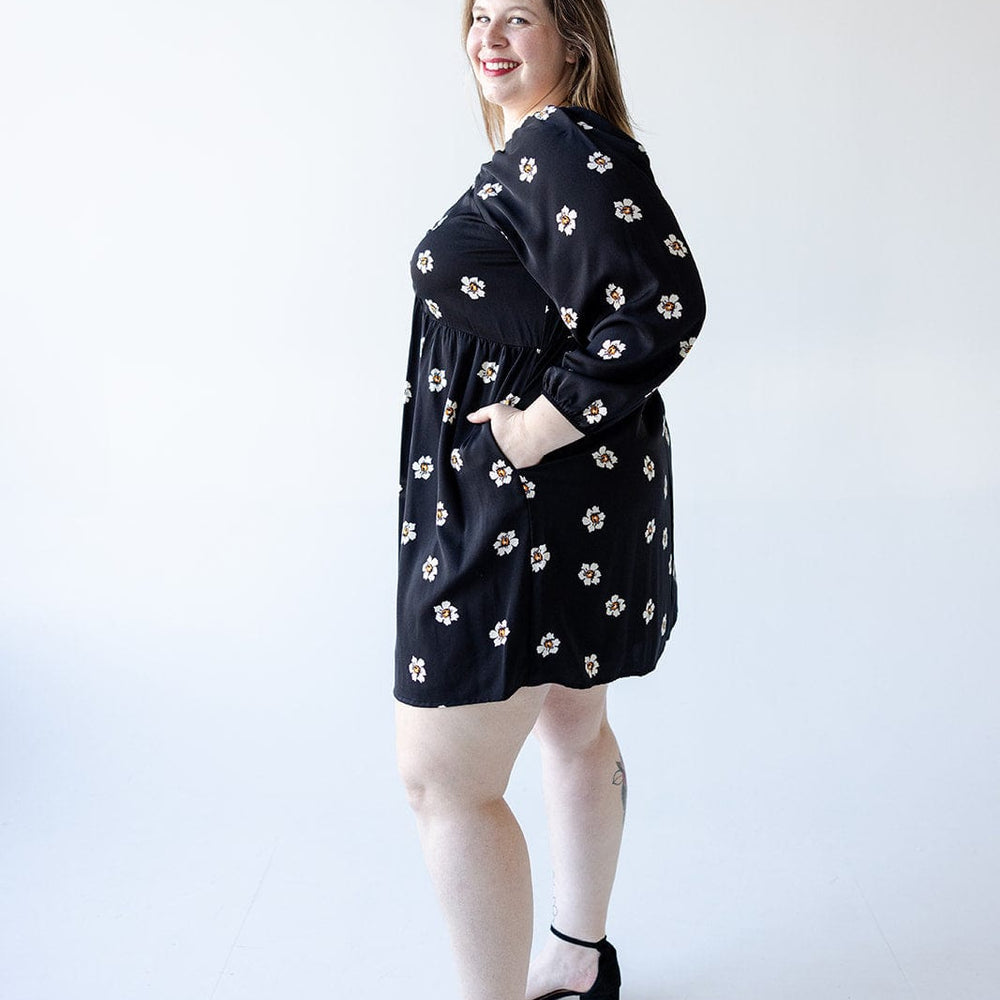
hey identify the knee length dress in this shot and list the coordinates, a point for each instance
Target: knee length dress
(560, 272)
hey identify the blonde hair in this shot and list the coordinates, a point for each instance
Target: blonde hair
(595, 80)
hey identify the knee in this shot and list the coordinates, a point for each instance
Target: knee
(572, 733)
(438, 784)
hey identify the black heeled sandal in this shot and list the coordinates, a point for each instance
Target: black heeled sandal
(607, 985)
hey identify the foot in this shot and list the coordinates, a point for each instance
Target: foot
(561, 966)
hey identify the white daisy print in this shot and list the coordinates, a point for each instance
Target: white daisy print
(670, 307)
(650, 610)
(506, 542)
(543, 115)
(440, 514)
(456, 460)
(596, 412)
(488, 372)
(611, 349)
(432, 308)
(666, 487)
(510, 399)
(425, 261)
(473, 287)
(423, 467)
(409, 533)
(666, 432)
(437, 379)
(591, 665)
(439, 221)
(569, 317)
(614, 605)
(566, 219)
(670, 565)
(446, 613)
(666, 537)
(593, 520)
(615, 296)
(548, 644)
(649, 468)
(450, 409)
(686, 346)
(585, 126)
(528, 487)
(417, 671)
(663, 626)
(500, 633)
(605, 458)
(628, 210)
(407, 392)
(650, 531)
(429, 568)
(599, 162)
(590, 573)
(540, 557)
(676, 246)
(489, 191)
(529, 169)
(501, 473)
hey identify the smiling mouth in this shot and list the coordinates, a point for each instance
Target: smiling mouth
(498, 67)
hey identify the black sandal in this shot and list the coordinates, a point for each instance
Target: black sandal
(607, 985)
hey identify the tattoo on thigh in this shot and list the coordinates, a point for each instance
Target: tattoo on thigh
(619, 779)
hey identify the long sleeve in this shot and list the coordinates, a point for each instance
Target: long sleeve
(577, 201)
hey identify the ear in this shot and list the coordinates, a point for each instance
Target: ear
(572, 52)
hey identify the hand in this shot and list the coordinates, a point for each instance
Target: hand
(527, 436)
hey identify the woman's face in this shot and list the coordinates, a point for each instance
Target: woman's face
(518, 57)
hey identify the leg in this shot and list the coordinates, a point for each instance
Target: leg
(455, 763)
(584, 782)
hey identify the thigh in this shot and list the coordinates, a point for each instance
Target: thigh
(570, 718)
(466, 750)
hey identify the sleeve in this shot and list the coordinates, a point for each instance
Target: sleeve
(594, 231)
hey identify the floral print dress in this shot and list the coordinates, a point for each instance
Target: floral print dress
(561, 272)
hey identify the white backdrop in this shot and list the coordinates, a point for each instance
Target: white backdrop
(206, 215)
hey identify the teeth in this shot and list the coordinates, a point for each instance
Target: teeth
(500, 65)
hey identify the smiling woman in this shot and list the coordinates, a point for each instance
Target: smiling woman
(536, 559)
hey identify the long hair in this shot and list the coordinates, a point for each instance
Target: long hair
(595, 80)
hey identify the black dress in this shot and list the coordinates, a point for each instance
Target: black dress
(561, 271)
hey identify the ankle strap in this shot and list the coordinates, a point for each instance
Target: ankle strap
(573, 940)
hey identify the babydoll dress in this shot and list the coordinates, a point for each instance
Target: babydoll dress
(560, 272)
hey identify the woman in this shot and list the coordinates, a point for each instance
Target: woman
(536, 559)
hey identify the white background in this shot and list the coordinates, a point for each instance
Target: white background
(207, 211)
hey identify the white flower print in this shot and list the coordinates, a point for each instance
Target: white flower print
(548, 644)
(439, 221)
(437, 379)
(543, 115)
(650, 530)
(473, 287)
(528, 487)
(670, 565)
(595, 412)
(450, 408)
(407, 392)
(615, 295)
(585, 126)
(649, 468)
(423, 467)
(429, 568)
(417, 671)
(599, 162)
(666, 432)
(501, 473)
(420, 350)
(670, 307)
(569, 317)
(593, 520)
(686, 346)
(666, 537)
(666, 487)
(510, 399)
(676, 246)
(456, 460)
(425, 261)
(440, 514)
(605, 458)
(489, 191)
(647, 615)
(488, 372)
(566, 218)
(590, 573)
(628, 210)
(529, 169)
(540, 557)
(614, 606)
(591, 665)
(409, 533)
(500, 633)
(432, 308)
(612, 349)
(663, 626)
(506, 542)
(446, 613)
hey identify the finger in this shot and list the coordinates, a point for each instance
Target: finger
(481, 415)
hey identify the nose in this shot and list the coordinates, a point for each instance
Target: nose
(493, 36)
